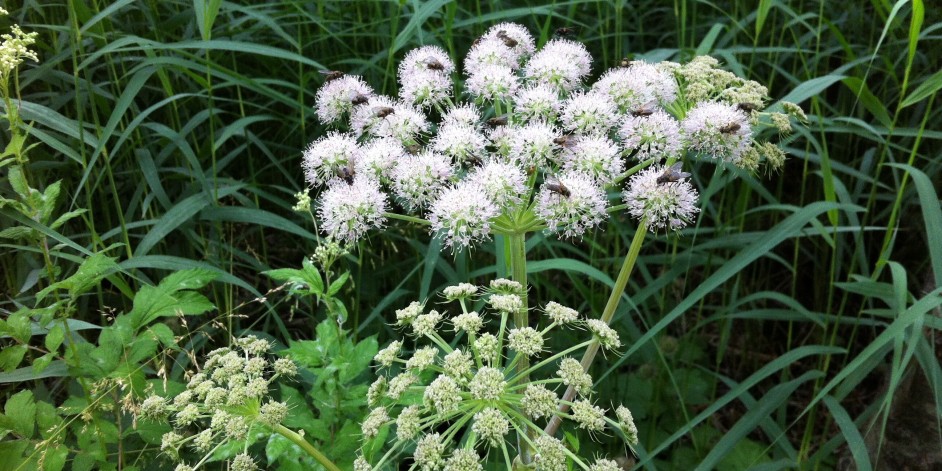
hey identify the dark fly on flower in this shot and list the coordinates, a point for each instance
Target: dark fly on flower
(646, 109)
(346, 173)
(331, 75)
(626, 62)
(497, 121)
(554, 185)
(433, 64)
(383, 111)
(508, 41)
(730, 128)
(358, 98)
(474, 161)
(672, 174)
(747, 107)
(413, 149)
(565, 141)
(566, 31)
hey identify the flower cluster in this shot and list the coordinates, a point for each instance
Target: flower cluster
(222, 403)
(448, 402)
(15, 48)
(530, 144)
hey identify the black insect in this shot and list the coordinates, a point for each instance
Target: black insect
(747, 107)
(383, 111)
(331, 75)
(433, 63)
(554, 185)
(566, 140)
(474, 161)
(626, 62)
(730, 128)
(646, 109)
(672, 174)
(497, 121)
(346, 173)
(566, 31)
(358, 98)
(508, 41)
(413, 149)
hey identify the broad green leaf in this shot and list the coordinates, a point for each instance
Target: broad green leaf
(338, 283)
(925, 89)
(206, 12)
(56, 369)
(92, 270)
(20, 409)
(195, 278)
(10, 357)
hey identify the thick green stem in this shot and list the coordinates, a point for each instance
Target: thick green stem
(307, 447)
(610, 307)
(518, 270)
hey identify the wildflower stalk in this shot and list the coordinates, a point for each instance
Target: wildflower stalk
(518, 266)
(307, 447)
(620, 283)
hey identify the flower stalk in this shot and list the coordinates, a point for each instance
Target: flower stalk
(298, 440)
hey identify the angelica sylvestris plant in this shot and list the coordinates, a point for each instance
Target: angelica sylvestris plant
(529, 145)
(226, 402)
(452, 406)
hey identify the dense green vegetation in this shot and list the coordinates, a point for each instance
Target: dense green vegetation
(158, 157)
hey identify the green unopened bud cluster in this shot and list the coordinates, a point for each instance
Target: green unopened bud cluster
(459, 398)
(223, 402)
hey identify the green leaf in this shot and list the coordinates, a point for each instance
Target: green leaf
(359, 360)
(11, 455)
(10, 357)
(855, 442)
(16, 233)
(169, 299)
(195, 278)
(92, 270)
(925, 89)
(41, 363)
(18, 181)
(54, 337)
(66, 217)
(49, 199)
(20, 409)
(56, 369)
(338, 283)
(206, 12)
(869, 100)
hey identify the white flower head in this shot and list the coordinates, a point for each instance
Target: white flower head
(514, 36)
(349, 210)
(418, 179)
(426, 59)
(337, 97)
(637, 86)
(576, 212)
(383, 117)
(533, 144)
(537, 101)
(588, 113)
(594, 155)
(489, 52)
(655, 137)
(718, 130)
(561, 63)
(493, 82)
(461, 142)
(425, 88)
(461, 215)
(502, 183)
(665, 205)
(377, 158)
(324, 158)
(465, 114)
(491, 425)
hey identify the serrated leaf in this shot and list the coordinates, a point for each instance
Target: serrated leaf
(92, 270)
(18, 181)
(49, 199)
(164, 335)
(54, 458)
(194, 278)
(16, 233)
(43, 362)
(10, 357)
(338, 283)
(47, 419)
(54, 337)
(20, 409)
(65, 217)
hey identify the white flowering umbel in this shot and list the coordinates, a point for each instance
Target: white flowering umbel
(470, 401)
(226, 401)
(529, 144)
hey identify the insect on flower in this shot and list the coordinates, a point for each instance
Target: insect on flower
(646, 109)
(626, 62)
(433, 63)
(565, 141)
(553, 184)
(566, 31)
(358, 98)
(730, 128)
(508, 41)
(347, 173)
(383, 111)
(331, 75)
(747, 107)
(672, 174)
(413, 149)
(497, 121)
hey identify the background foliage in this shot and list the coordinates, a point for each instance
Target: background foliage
(801, 314)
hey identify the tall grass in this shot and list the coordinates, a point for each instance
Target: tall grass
(776, 333)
